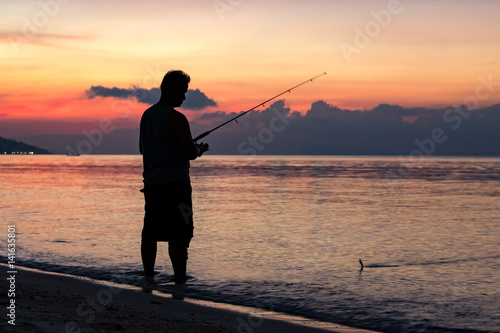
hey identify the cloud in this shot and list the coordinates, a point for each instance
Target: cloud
(277, 130)
(12, 35)
(383, 130)
(146, 96)
(16, 39)
(195, 99)
(214, 115)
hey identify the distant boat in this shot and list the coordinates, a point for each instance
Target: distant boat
(72, 154)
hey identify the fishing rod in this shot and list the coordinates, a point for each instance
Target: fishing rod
(263, 103)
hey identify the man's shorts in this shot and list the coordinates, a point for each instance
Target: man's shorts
(169, 213)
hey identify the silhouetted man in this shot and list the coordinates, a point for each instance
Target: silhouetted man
(167, 146)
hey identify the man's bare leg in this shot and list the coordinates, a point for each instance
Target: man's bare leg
(148, 254)
(178, 257)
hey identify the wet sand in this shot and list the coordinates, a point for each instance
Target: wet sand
(51, 302)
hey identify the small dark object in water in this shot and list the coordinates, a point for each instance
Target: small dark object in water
(361, 263)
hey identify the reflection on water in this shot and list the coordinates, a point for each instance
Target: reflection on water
(285, 232)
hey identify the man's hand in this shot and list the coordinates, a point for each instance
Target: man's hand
(203, 147)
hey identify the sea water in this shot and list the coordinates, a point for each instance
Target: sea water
(283, 233)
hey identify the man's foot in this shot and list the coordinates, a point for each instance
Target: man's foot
(181, 280)
(150, 274)
(148, 255)
(178, 257)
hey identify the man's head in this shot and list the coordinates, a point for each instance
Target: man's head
(174, 87)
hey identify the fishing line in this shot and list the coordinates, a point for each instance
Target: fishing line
(263, 103)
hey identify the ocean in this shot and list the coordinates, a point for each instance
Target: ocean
(282, 233)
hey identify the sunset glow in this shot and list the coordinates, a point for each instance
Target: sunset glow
(238, 53)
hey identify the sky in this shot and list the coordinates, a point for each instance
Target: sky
(70, 67)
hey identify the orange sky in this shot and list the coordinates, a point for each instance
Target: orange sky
(239, 53)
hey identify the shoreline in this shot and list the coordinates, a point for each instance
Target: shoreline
(55, 302)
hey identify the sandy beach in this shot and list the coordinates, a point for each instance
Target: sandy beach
(51, 302)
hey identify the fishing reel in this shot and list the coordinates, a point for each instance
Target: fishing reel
(203, 147)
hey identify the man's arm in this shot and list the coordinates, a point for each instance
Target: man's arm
(140, 143)
(179, 125)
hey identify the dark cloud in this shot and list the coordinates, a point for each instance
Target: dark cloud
(146, 96)
(195, 99)
(214, 115)
(383, 130)
(277, 130)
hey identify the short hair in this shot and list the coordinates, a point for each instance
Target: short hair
(174, 79)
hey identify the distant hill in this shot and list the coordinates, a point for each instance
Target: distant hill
(8, 146)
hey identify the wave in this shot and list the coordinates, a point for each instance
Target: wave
(431, 262)
(390, 169)
(309, 300)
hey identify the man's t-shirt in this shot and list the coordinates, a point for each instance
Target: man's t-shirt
(162, 156)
